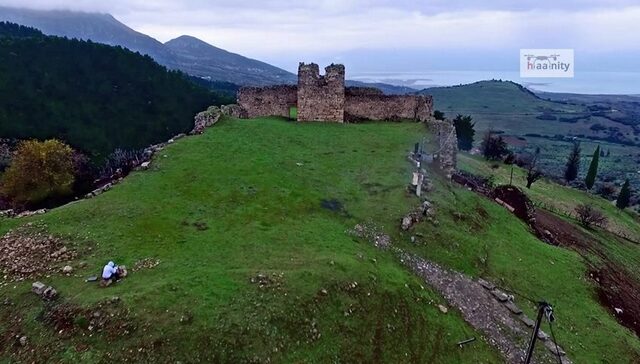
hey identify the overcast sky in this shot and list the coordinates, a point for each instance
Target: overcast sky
(377, 33)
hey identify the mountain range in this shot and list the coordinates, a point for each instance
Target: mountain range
(185, 53)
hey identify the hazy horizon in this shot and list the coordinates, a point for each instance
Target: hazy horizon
(394, 36)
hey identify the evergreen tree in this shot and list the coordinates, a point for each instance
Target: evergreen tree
(625, 195)
(573, 163)
(593, 169)
(465, 131)
(438, 115)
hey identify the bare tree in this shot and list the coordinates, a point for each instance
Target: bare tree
(589, 216)
(533, 172)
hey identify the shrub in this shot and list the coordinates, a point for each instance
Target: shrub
(606, 190)
(39, 170)
(494, 147)
(121, 162)
(590, 216)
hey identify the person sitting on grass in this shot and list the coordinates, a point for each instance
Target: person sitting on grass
(110, 273)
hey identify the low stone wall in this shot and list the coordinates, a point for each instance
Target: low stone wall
(359, 107)
(267, 101)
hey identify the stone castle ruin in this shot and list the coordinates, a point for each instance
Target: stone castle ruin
(325, 98)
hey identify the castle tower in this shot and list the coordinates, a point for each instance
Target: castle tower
(321, 98)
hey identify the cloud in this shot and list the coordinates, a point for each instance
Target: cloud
(283, 29)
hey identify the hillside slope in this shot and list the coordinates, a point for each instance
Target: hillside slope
(249, 223)
(100, 28)
(201, 59)
(187, 54)
(95, 97)
(552, 124)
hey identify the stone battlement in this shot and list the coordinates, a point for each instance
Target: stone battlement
(325, 98)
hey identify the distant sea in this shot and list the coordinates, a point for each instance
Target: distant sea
(609, 83)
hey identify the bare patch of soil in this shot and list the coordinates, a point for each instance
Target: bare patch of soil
(617, 290)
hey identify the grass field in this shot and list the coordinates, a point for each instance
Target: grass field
(242, 199)
(478, 237)
(247, 198)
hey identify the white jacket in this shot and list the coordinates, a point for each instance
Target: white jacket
(109, 270)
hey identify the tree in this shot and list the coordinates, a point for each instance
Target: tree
(533, 172)
(438, 115)
(493, 147)
(39, 170)
(593, 169)
(573, 163)
(624, 197)
(589, 216)
(465, 131)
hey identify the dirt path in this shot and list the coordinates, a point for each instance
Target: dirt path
(504, 329)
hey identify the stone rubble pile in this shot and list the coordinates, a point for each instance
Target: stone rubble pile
(372, 234)
(423, 212)
(146, 263)
(29, 251)
(273, 280)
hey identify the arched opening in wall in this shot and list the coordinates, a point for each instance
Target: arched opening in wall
(293, 112)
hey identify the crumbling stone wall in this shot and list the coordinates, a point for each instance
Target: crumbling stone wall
(321, 98)
(387, 107)
(325, 98)
(447, 153)
(267, 101)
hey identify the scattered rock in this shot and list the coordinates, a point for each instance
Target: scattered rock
(23, 340)
(272, 281)
(67, 269)
(542, 335)
(38, 288)
(488, 285)
(443, 309)
(29, 251)
(527, 321)
(146, 263)
(513, 308)
(499, 295)
(372, 234)
(554, 348)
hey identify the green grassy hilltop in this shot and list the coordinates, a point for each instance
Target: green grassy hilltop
(246, 199)
(249, 223)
